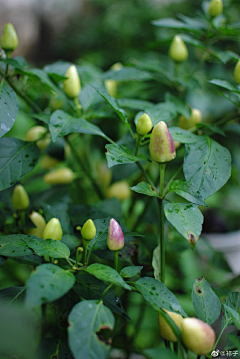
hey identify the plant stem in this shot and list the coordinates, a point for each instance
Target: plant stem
(22, 217)
(161, 224)
(170, 181)
(105, 291)
(175, 347)
(199, 356)
(139, 139)
(85, 246)
(216, 343)
(116, 260)
(77, 106)
(146, 176)
(167, 344)
(162, 172)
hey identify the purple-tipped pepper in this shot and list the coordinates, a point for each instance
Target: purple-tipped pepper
(115, 240)
(161, 146)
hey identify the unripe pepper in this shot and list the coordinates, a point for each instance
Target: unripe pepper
(53, 230)
(88, 231)
(48, 162)
(178, 50)
(35, 133)
(20, 199)
(115, 239)
(165, 329)
(161, 146)
(215, 7)
(60, 176)
(119, 190)
(72, 85)
(198, 336)
(144, 124)
(196, 117)
(39, 222)
(9, 39)
(111, 85)
(237, 72)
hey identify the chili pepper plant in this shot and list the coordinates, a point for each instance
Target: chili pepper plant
(105, 179)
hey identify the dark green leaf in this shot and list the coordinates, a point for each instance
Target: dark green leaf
(183, 136)
(48, 247)
(89, 97)
(17, 159)
(89, 287)
(107, 274)
(163, 111)
(127, 74)
(12, 295)
(134, 104)
(232, 301)
(130, 271)
(71, 241)
(157, 353)
(47, 282)
(51, 348)
(144, 188)
(186, 190)
(213, 128)
(60, 211)
(179, 105)
(13, 246)
(32, 259)
(225, 84)
(158, 295)
(8, 108)
(85, 320)
(193, 41)
(189, 24)
(61, 124)
(99, 242)
(207, 165)
(233, 314)
(205, 302)
(117, 155)
(113, 103)
(43, 76)
(186, 218)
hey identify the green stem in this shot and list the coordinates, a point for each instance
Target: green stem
(167, 344)
(176, 68)
(161, 241)
(43, 321)
(116, 260)
(105, 291)
(162, 172)
(225, 326)
(22, 217)
(170, 181)
(175, 347)
(85, 246)
(77, 106)
(146, 176)
(139, 139)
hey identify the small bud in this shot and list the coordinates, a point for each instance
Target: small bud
(161, 146)
(9, 39)
(53, 230)
(60, 176)
(39, 222)
(37, 132)
(144, 124)
(196, 117)
(198, 336)
(72, 85)
(178, 50)
(165, 329)
(115, 239)
(88, 231)
(119, 190)
(20, 199)
(237, 72)
(215, 7)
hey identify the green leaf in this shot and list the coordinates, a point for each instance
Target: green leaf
(17, 159)
(47, 282)
(185, 190)
(205, 302)
(71, 242)
(99, 242)
(144, 188)
(134, 104)
(43, 77)
(127, 74)
(113, 103)
(192, 25)
(179, 105)
(89, 287)
(232, 301)
(89, 97)
(107, 274)
(183, 136)
(12, 295)
(193, 41)
(207, 165)
(51, 348)
(61, 124)
(186, 218)
(163, 111)
(60, 211)
(49, 247)
(117, 155)
(156, 262)
(85, 320)
(13, 246)
(213, 128)
(225, 84)
(8, 108)
(158, 295)
(234, 315)
(130, 271)
(157, 353)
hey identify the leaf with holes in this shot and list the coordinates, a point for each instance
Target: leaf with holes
(186, 218)
(118, 155)
(207, 165)
(86, 319)
(47, 282)
(13, 245)
(144, 188)
(158, 295)
(48, 247)
(107, 274)
(17, 159)
(89, 287)
(61, 124)
(205, 302)
(8, 108)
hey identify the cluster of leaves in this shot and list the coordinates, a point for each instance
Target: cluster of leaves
(76, 306)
